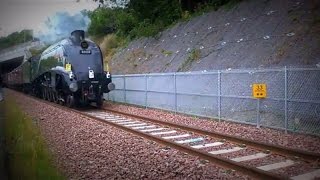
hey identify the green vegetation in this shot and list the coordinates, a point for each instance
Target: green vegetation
(38, 51)
(28, 157)
(231, 4)
(141, 18)
(210, 5)
(109, 46)
(48, 63)
(194, 55)
(15, 38)
(167, 53)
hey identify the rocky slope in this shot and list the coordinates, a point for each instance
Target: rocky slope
(253, 34)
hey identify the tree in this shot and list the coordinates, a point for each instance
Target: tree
(164, 11)
(113, 3)
(103, 21)
(16, 38)
(138, 18)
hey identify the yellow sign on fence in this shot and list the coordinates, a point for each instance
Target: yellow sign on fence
(68, 67)
(259, 90)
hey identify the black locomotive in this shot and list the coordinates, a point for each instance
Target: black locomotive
(69, 72)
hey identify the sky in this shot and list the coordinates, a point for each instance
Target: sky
(16, 15)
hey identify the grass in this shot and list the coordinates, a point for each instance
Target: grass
(28, 156)
(109, 46)
(166, 53)
(194, 55)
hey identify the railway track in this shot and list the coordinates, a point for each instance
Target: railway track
(228, 151)
(259, 160)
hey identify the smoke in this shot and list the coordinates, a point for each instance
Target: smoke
(61, 24)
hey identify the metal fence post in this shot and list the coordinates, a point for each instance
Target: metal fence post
(219, 95)
(258, 113)
(175, 93)
(124, 88)
(286, 99)
(146, 90)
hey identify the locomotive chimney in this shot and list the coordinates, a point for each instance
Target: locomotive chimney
(77, 36)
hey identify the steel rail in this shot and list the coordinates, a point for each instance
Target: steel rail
(226, 163)
(310, 156)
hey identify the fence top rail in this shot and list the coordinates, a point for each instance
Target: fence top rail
(303, 69)
(210, 72)
(169, 74)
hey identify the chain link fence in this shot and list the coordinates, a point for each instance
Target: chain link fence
(292, 103)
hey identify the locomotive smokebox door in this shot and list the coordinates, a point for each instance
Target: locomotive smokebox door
(91, 74)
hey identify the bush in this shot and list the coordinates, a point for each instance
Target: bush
(15, 38)
(141, 18)
(125, 23)
(102, 21)
(109, 46)
(145, 29)
(194, 55)
(109, 42)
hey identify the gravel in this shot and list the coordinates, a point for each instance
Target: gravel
(87, 149)
(267, 135)
(296, 169)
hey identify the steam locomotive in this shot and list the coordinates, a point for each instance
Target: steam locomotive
(69, 72)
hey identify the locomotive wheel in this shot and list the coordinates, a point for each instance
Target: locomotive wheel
(84, 103)
(55, 97)
(61, 103)
(99, 102)
(70, 101)
(50, 95)
(43, 94)
(47, 94)
(60, 98)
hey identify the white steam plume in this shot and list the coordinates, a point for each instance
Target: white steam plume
(61, 25)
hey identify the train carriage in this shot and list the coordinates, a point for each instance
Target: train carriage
(19, 78)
